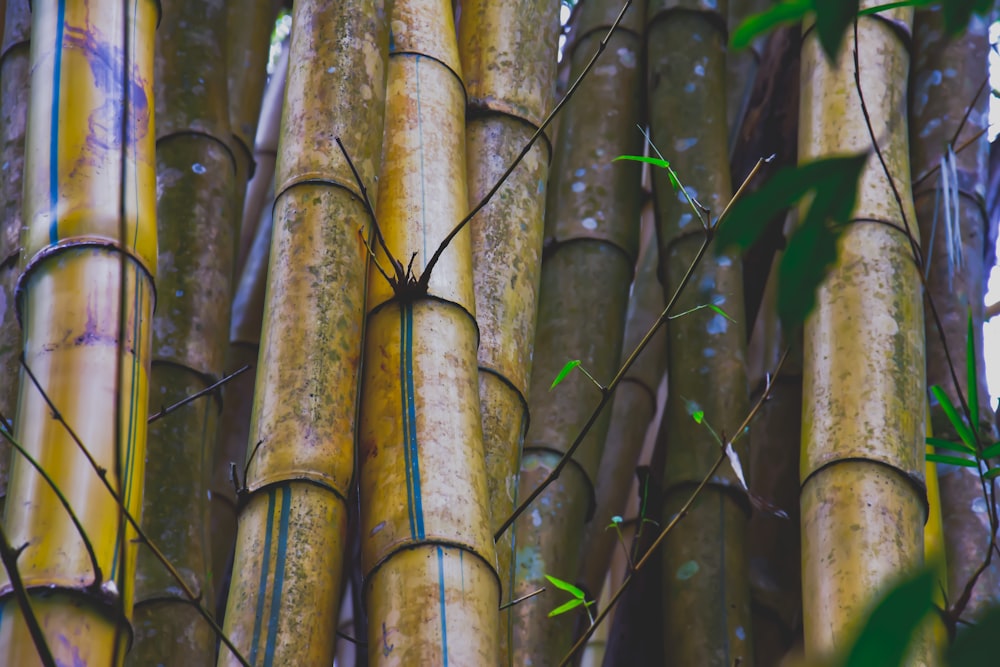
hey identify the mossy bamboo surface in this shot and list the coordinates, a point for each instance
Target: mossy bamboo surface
(85, 301)
(773, 466)
(632, 411)
(863, 501)
(287, 573)
(14, 77)
(196, 174)
(508, 59)
(946, 77)
(249, 24)
(244, 334)
(427, 551)
(592, 224)
(706, 588)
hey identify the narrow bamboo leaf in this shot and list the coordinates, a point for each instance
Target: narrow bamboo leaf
(956, 421)
(566, 606)
(885, 636)
(991, 473)
(655, 161)
(721, 312)
(951, 460)
(698, 416)
(992, 451)
(970, 369)
(877, 9)
(789, 11)
(566, 586)
(959, 447)
(750, 214)
(734, 461)
(570, 365)
(976, 645)
(812, 249)
(832, 21)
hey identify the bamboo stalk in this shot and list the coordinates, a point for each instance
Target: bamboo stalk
(742, 67)
(706, 592)
(14, 86)
(863, 501)
(196, 173)
(508, 58)
(427, 552)
(592, 241)
(947, 76)
(287, 581)
(85, 302)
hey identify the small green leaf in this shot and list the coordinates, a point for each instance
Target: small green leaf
(566, 586)
(992, 451)
(566, 606)
(885, 636)
(991, 473)
(970, 369)
(655, 161)
(959, 447)
(976, 645)
(956, 421)
(570, 365)
(698, 416)
(951, 460)
(832, 20)
(781, 13)
(721, 312)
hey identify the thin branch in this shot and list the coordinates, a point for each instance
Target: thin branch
(157, 553)
(195, 396)
(426, 276)
(933, 170)
(8, 554)
(620, 375)
(968, 110)
(521, 599)
(676, 518)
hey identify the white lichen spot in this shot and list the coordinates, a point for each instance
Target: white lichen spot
(711, 4)
(536, 518)
(599, 152)
(699, 69)
(950, 72)
(689, 87)
(589, 223)
(580, 172)
(681, 145)
(979, 506)
(626, 57)
(687, 570)
(717, 325)
(722, 260)
(740, 633)
(684, 220)
(931, 125)
(708, 353)
(578, 186)
(198, 168)
(691, 192)
(5, 165)
(331, 69)
(179, 293)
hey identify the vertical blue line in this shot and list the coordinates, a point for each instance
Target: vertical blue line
(262, 587)
(444, 618)
(411, 410)
(279, 575)
(54, 130)
(404, 349)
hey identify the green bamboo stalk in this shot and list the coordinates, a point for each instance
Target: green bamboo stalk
(704, 558)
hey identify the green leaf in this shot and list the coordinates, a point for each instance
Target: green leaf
(992, 451)
(833, 17)
(655, 161)
(781, 13)
(885, 637)
(959, 447)
(991, 473)
(976, 645)
(877, 9)
(698, 416)
(952, 460)
(566, 606)
(970, 369)
(570, 365)
(958, 12)
(720, 312)
(566, 586)
(956, 421)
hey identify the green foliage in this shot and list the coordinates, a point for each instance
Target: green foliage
(812, 248)
(570, 365)
(976, 646)
(579, 597)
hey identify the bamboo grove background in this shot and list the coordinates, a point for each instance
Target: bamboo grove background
(375, 359)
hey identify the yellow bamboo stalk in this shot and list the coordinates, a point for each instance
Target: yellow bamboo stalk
(706, 591)
(196, 174)
(426, 547)
(85, 302)
(244, 334)
(286, 586)
(592, 224)
(947, 76)
(508, 53)
(249, 26)
(14, 77)
(863, 499)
